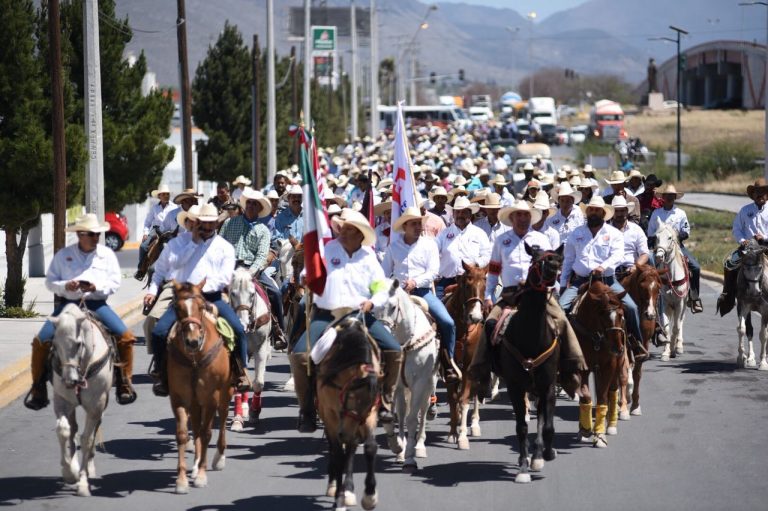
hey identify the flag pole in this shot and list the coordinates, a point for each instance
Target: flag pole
(307, 310)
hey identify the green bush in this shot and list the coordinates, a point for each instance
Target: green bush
(721, 159)
(16, 312)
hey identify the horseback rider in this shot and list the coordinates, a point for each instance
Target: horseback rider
(618, 182)
(414, 259)
(289, 223)
(251, 239)
(542, 204)
(185, 200)
(354, 280)
(490, 223)
(200, 256)
(750, 223)
(594, 250)
(85, 273)
(567, 218)
(155, 217)
(677, 219)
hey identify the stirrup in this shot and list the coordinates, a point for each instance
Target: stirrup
(695, 305)
(35, 401)
(139, 275)
(125, 394)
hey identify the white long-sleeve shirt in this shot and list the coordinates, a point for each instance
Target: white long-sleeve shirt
(492, 231)
(553, 235)
(510, 261)
(351, 279)
(419, 262)
(382, 239)
(186, 261)
(565, 225)
(470, 245)
(170, 221)
(156, 215)
(750, 221)
(635, 243)
(584, 252)
(99, 267)
(675, 218)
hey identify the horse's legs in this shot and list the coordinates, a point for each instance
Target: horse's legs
(421, 389)
(474, 427)
(345, 493)
(603, 381)
(207, 413)
(741, 330)
(517, 396)
(537, 457)
(182, 435)
(401, 408)
(637, 374)
(220, 459)
(335, 458)
(666, 324)
(763, 342)
(549, 422)
(585, 409)
(751, 362)
(260, 358)
(454, 411)
(371, 497)
(679, 348)
(463, 441)
(624, 388)
(87, 444)
(66, 429)
(194, 418)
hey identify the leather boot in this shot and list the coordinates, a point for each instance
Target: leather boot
(727, 299)
(160, 374)
(239, 377)
(451, 372)
(659, 336)
(37, 397)
(638, 350)
(305, 393)
(125, 393)
(278, 336)
(480, 368)
(391, 360)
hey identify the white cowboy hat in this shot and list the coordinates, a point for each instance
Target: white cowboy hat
(357, 220)
(88, 223)
(409, 214)
(188, 193)
(528, 166)
(251, 194)
(273, 194)
(479, 195)
(589, 182)
(295, 190)
(329, 195)
(241, 180)
(334, 209)
(546, 179)
(588, 169)
(163, 188)
(492, 201)
(565, 189)
(382, 207)
(617, 177)
(635, 173)
(542, 203)
(460, 180)
(342, 181)
(457, 191)
(384, 183)
(504, 214)
(597, 201)
(620, 202)
(438, 191)
(181, 218)
(574, 181)
(464, 203)
(498, 180)
(467, 165)
(207, 213)
(668, 190)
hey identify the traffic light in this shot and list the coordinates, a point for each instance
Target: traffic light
(432, 78)
(461, 75)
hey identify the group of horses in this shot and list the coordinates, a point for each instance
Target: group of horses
(526, 357)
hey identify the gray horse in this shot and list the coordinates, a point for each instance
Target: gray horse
(752, 296)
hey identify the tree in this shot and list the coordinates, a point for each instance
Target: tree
(387, 80)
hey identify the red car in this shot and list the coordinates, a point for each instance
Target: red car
(118, 230)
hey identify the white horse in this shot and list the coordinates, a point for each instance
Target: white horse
(676, 283)
(82, 376)
(752, 295)
(253, 312)
(410, 326)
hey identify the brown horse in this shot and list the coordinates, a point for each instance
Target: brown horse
(599, 325)
(198, 381)
(153, 253)
(464, 304)
(644, 286)
(294, 294)
(348, 400)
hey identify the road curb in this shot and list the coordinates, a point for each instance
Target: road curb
(131, 245)
(712, 276)
(15, 379)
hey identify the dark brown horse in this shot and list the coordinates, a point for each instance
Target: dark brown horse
(348, 400)
(293, 295)
(145, 269)
(644, 286)
(599, 325)
(198, 381)
(464, 305)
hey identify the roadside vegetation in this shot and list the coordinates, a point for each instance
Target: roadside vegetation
(16, 312)
(711, 239)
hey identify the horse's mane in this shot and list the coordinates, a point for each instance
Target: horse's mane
(351, 348)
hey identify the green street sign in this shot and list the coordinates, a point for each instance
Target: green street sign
(323, 38)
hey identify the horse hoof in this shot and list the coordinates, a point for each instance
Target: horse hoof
(201, 481)
(421, 452)
(219, 461)
(665, 357)
(370, 501)
(763, 366)
(463, 443)
(550, 455)
(452, 439)
(349, 498)
(288, 385)
(612, 430)
(237, 424)
(195, 470)
(182, 489)
(586, 436)
(400, 458)
(331, 490)
(600, 442)
(636, 411)
(393, 444)
(83, 490)
(475, 431)
(68, 475)
(537, 465)
(523, 478)
(410, 468)
(624, 415)
(679, 350)
(751, 363)
(527, 417)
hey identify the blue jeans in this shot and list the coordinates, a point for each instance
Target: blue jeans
(323, 318)
(99, 307)
(445, 323)
(631, 314)
(166, 321)
(442, 284)
(144, 247)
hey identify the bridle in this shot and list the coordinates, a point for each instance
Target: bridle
(353, 385)
(669, 254)
(536, 280)
(192, 320)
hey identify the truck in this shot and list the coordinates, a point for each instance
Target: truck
(606, 121)
(542, 111)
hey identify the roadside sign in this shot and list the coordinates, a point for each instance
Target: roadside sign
(323, 38)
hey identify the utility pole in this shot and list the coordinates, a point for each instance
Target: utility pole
(414, 101)
(531, 16)
(679, 99)
(59, 149)
(765, 93)
(256, 114)
(374, 73)
(307, 63)
(294, 103)
(271, 109)
(353, 95)
(94, 177)
(186, 105)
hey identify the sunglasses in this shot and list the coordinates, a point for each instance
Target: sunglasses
(89, 234)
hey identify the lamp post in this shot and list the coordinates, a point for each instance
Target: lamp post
(531, 16)
(765, 94)
(411, 48)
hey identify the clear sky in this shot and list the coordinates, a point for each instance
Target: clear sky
(543, 8)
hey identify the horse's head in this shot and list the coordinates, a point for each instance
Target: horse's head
(647, 283)
(602, 313)
(545, 265)
(70, 345)
(190, 307)
(666, 245)
(471, 286)
(397, 313)
(752, 261)
(242, 294)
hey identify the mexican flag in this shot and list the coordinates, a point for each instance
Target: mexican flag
(404, 187)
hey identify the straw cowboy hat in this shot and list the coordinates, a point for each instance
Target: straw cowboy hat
(635, 173)
(620, 202)
(241, 180)
(759, 186)
(464, 203)
(382, 207)
(409, 214)
(88, 223)
(505, 213)
(357, 220)
(207, 213)
(492, 201)
(499, 180)
(334, 209)
(479, 195)
(528, 166)
(329, 195)
(295, 190)
(163, 188)
(588, 169)
(617, 177)
(181, 218)
(457, 191)
(467, 165)
(669, 190)
(438, 191)
(575, 181)
(542, 203)
(188, 193)
(272, 194)
(565, 189)
(342, 181)
(460, 180)
(384, 183)
(251, 194)
(597, 201)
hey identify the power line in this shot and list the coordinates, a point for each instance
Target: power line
(106, 18)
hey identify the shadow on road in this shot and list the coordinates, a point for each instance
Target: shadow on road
(707, 367)
(451, 474)
(140, 448)
(292, 502)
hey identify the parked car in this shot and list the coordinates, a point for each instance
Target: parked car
(578, 134)
(562, 135)
(548, 134)
(118, 230)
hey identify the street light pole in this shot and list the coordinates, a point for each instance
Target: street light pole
(374, 73)
(765, 94)
(353, 96)
(679, 98)
(531, 16)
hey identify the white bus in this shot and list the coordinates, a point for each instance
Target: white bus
(438, 115)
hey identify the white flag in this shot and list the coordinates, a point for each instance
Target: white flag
(404, 194)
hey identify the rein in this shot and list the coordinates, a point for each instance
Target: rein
(529, 364)
(666, 278)
(597, 337)
(353, 384)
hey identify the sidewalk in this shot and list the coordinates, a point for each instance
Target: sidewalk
(718, 201)
(17, 334)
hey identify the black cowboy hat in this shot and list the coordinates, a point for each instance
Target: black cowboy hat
(652, 181)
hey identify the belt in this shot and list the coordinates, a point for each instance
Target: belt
(213, 296)
(578, 280)
(58, 299)
(332, 313)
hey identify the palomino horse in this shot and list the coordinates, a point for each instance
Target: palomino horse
(348, 401)
(153, 252)
(644, 286)
(676, 283)
(752, 295)
(528, 358)
(599, 325)
(198, 381)
(410, 326)
(465, 305)
(82, 376)
(253, 312)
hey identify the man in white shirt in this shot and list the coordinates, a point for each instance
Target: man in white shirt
(383, 210)
(155, 217)
(89, 272)
(567, 218)
(239, 183)
(414, 260)
(677, 219)
(751, 223)
(635, 242)
(203, 256)
(461, 243)
(184, 200)
(542, 204)
(490, 223)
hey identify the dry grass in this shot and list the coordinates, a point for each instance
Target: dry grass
(711, 239)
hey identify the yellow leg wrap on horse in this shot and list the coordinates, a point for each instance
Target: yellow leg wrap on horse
(585, 416)
(600, 412)
(613, 408)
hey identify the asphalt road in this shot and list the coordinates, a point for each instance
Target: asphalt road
(699, 445)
